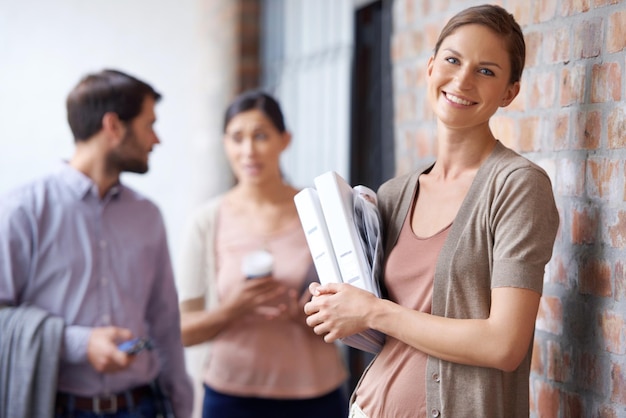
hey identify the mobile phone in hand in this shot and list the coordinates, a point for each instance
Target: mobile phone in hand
(135, 346)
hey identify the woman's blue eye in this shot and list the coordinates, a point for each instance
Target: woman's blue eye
(452, 60)
(260, 136)
(485, 71)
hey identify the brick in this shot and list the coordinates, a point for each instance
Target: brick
(561, 131)
(504, 129)
(619, 279)
(556, 44)
(547, 402)
(544, 10)
(396, 47)
(521, 11)
(588, 38)
(589, 130)
(613, 327)
(421, 71)
(606, 83)
(529, 130)
(618, 382)
(409, 44)
(601, 175)
(594, 278)
(572, 405)
(573, 7)
(543, 91)
(534, 44)
(616, 36)
(617, 231)
(558, 270)
(406, 107)
(550, 315)
(584, 225)
(605, 411)
(616, 127)
(589, 374)
(424, 143)
(573, 85)
(431, 33)
(559, 363)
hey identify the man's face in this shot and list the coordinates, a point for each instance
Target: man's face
(132, 153)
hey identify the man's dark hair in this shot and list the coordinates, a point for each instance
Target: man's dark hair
(99, 93)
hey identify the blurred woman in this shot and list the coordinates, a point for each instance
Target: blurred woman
(264, 361)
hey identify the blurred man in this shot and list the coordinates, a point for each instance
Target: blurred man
(83, 247)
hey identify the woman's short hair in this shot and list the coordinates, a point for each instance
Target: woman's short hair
(500, 22)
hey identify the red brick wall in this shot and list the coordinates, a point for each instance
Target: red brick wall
(570, 117)
(248, 31)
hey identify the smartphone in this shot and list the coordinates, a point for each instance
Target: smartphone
(135, 346)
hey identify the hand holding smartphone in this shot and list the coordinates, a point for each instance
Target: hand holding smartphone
(135, 346)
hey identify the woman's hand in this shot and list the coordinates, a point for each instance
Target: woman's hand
(262, 295)
(338, 310)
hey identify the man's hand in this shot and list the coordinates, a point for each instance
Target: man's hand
(102, 351)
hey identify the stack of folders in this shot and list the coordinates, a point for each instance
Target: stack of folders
(343, 233)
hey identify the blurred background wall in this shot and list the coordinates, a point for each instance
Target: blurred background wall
(183, 48)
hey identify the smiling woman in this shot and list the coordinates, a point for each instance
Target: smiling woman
(465, 248)
(469, 78)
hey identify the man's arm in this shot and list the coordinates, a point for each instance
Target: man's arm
(164, 318)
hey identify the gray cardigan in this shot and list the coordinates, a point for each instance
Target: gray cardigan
(502, 236)
(30, 349)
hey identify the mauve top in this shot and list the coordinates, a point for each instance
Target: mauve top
(394, 385)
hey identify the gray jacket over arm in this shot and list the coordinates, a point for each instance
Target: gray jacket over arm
(30, 346)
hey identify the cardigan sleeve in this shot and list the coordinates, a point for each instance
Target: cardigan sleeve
(524, 223)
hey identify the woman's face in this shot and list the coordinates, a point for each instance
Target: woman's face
(253, 147)
(468, 79)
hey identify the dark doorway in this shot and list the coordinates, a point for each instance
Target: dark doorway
(372, 159)
(372, 142)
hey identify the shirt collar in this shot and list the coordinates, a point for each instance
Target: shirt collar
(82, 186)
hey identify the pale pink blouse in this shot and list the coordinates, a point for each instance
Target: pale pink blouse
(253, 356)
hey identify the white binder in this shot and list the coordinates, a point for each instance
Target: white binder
(336, 198)
(317, 237)
(327, 217)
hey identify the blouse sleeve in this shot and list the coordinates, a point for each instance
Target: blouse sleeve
(196, 265)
